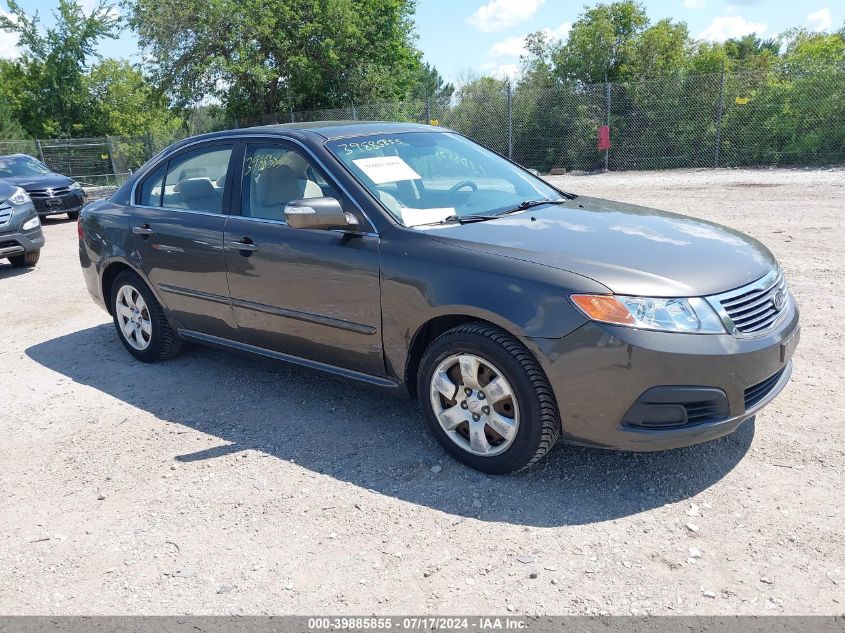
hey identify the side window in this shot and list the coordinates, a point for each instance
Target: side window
(150, 194)
(274, 175)
(195, 180)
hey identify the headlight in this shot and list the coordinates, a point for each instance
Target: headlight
(75, 186)
(31, 223)
(692, 316)
(19, 197)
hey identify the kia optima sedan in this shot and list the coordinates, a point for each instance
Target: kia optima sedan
(412, 259)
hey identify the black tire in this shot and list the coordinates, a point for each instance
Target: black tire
(27, 260)
(164, 342)
(73, 215)
(539, 424)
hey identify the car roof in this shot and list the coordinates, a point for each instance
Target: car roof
(328, 130)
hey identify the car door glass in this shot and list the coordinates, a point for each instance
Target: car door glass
(275, 175)
(195, 181)
(151, 188)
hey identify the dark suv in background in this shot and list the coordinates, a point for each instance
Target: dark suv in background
(51, 193)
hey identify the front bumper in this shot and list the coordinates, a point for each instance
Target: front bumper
(15, 243)
(60, 204)
(600, 373)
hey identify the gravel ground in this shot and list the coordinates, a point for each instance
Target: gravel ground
(219, 484)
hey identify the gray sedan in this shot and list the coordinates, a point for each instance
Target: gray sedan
(412, 259)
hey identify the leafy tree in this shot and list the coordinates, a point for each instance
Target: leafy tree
(10, 127)
(261, 57)
(123, 103)
(54, 61)
(429, 84)
(601, 43)
(661, 49)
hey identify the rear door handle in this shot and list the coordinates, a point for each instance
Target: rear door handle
(245, 246)
(143, 230)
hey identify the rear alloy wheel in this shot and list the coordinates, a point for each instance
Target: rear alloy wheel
(140, 321)
(487, 400)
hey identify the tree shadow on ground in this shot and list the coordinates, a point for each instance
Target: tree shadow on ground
(377, 441)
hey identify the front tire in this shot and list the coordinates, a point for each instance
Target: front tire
(487, 400)
(27, 260)
(73, 215)
(140, 321)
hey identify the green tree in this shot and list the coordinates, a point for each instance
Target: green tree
(261, 57)
(54, 61)
(601, 43)
(10, 127)
(429, 84)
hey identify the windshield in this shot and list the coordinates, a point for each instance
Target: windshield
(11, 166)
(427, 177)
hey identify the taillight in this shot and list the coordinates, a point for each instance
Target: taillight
(79, 231)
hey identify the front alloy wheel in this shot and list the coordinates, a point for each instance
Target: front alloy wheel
(486, 399)
(474, 404)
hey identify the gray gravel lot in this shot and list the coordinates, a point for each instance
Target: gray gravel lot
(220, 484)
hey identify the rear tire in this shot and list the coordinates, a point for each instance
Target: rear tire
(73, 215)
(140, 321)
(27, 260)
(508, 419)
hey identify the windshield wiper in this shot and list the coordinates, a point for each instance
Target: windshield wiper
(477, 217)
(527, 204)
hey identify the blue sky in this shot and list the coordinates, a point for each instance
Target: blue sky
(464, 37)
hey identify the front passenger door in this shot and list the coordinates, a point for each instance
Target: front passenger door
(177, 225)
(310, 293)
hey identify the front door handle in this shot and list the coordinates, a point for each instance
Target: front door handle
(245, 246)
(144, 230)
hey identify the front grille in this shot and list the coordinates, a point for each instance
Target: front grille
(5, 214)
(64, 203)
(38, 194)
(756, 307)
(756, 393)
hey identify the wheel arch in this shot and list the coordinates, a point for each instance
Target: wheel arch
(428, 331)
(110, 273)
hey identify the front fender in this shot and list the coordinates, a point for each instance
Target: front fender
(423, 279)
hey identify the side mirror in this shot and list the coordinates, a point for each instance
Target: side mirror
(319, 213)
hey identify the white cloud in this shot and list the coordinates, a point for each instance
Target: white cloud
(820, 20)
(500, 71)
(515, 46)
(694, 4)
(726, 27)
(498, 15)
(511, 47)
(8, 41)
(560, 33)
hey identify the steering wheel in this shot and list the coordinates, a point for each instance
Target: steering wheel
(464, 183)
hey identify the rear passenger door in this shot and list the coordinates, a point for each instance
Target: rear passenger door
(177, 224)
(310, 293)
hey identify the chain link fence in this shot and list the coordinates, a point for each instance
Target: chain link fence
(683, 121)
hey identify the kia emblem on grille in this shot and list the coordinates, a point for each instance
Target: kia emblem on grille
(778, 300)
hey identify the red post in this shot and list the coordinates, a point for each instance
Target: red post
(603, 139)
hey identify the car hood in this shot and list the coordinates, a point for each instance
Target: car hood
(40, 182)
(631, 250)
(6, 190)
